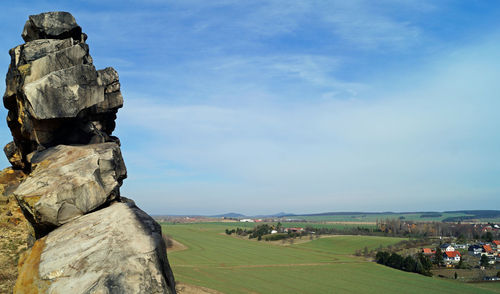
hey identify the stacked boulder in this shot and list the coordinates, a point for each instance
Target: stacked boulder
(61, 113)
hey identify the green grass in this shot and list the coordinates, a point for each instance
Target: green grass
(348, 244)
(374, 217)
(234, 225)
(233, 265)
(492, 286)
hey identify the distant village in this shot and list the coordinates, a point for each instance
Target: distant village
(486, 252)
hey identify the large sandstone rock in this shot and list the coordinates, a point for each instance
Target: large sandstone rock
(118, 249)
(69, 181)
(67, 171)
(53, 92)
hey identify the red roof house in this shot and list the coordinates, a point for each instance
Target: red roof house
(452, 254)
(487, 249)
(428, 251)
(451, 257)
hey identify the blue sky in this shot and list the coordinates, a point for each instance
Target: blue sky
(298, 106)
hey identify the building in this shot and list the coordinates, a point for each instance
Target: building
(447, 248)
(451, 257)
(475, 249)
(487, 250)
(428, 251)
(246, 220)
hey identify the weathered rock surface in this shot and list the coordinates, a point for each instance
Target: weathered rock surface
(118, 249)
(53, 92)
(64, 93)
(69, 181)
(51, 25)
(13, 155)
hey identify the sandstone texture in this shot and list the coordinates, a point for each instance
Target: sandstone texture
(69, 181)
(54, 93)
(67, 170)
(84, 257)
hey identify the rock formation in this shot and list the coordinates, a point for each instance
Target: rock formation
(61, 115)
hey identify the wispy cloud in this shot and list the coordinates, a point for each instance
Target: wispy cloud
(426, 143)
(345, 105)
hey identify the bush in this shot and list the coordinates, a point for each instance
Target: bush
(275, 237)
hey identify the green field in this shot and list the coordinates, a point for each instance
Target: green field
(234, 225)
(233, 265)
(374, 217)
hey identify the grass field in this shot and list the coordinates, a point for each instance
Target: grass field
(374, 217)
(339, 226)
(233, 265)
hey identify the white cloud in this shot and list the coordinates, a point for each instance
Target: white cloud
(428, 143)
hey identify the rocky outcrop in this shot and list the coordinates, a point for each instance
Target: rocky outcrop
(62, 115)
(69, 181)
(84, 257)
(54, 94)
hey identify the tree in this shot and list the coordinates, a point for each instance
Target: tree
(488, 237)
(425, 262)
(395, 261)
(438, 257)
(409, 264)
(365, 251)
(484, 261)
(382, 257)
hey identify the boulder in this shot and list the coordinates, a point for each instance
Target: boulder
(51, 25)
(69, 181)
(117, 249)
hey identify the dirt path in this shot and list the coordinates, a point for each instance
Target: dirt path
(177, 246)
(183, 288)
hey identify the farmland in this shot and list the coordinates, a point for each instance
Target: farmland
(474, 215)
(326, 265)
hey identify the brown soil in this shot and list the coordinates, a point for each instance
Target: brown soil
(14, 230)
(192, 289)
(464, 275)
(176, 246)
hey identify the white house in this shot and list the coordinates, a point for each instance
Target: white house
(447, 248)
(246, 220)
(451, 257)
(460, 246)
